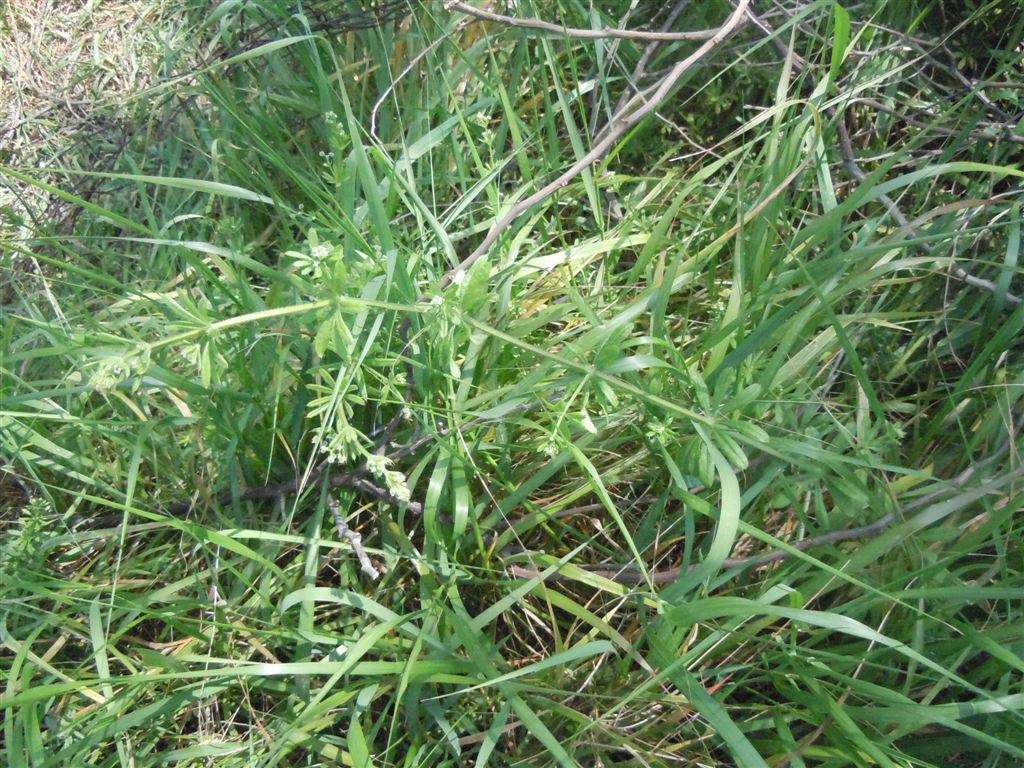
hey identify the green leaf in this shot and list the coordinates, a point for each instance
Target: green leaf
(475, 290)
(841, 23)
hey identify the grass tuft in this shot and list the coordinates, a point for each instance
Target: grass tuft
(329, 436)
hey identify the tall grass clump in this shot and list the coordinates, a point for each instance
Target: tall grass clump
(423, 387)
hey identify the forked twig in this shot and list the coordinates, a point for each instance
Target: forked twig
(651, 99)
(854, 169)
(585, 34)
(846, 148)
(629, 574)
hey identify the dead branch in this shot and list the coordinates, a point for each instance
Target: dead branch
(354, 539)
(651, 98)
(585, 34)
(629, 574)
(846, 148)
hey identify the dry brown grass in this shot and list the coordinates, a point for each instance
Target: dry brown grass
(66, 67)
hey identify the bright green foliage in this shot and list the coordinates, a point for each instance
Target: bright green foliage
(714, 341)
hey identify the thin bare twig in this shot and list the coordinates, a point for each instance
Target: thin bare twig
(585, 34)
(408, 68)
(1001, 131)
(799, 65)
(353, 538)
(355, 480)
(853, 167)
(617, 128)
(641, 66)
(629, 574)
(640, 71)
(846, 148)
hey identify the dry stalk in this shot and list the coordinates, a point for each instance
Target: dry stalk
(354, 539)
(645, 102)
(629, 574)
(585, 34)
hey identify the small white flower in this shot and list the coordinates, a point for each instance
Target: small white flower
(397, 486)
(656, 430)
(319, 252)
(111, 372)
(103, 379)
(335, 453)
(437, 301)
(550, 449)
(377, 464)
(459, 277)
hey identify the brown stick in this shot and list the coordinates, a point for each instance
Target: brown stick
(618, 127)
(846, 147)
(353, 538)
(585, 34)
(629, 574)
(354, 480)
